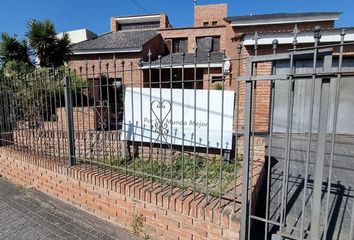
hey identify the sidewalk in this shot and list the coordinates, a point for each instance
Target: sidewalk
(29, 214)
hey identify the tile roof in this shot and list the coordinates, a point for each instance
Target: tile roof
(117, 40)
(277, 15)
(202, 58)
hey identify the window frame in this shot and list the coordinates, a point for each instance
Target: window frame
(173, 47)
(212, 44)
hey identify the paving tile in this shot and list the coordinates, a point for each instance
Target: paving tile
(29, 214)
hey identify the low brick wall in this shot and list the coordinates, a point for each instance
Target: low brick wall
(120, 199)
(84, 118)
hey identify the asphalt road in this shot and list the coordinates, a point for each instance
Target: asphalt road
(30, 214)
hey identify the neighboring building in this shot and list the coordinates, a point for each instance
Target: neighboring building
(79, 35)
(207, 34)
(130, 39)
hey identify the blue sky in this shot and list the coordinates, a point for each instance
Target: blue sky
(94, 14)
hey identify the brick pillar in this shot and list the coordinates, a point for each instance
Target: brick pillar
(164, 22)
(114, 25)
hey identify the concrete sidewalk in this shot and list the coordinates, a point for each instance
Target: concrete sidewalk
(29, 214)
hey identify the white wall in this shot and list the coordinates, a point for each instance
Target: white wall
(79, 35)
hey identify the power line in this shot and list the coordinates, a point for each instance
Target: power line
(140, 6)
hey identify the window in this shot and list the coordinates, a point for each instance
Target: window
(180, 45)
(216, 44)
(205, 24)
(214, 23)
(144, 25)
(205, 44)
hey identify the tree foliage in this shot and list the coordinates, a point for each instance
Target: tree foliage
(16, 69)
(51, 50)
(12, 49)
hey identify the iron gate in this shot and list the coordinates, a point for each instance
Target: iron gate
(308, 181)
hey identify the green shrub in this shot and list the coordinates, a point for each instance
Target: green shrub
(186, 171)
(218, 86)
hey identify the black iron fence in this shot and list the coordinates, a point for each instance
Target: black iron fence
(144, 122)
(307, 191)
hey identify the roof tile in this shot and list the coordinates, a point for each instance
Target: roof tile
(117, 40)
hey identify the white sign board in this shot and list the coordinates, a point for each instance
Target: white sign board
(151, 115)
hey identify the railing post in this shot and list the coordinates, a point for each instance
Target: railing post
(320, 159)
(245, 162)
(321, 152)
(69, 121)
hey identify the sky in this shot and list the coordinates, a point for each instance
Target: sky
(94, 14)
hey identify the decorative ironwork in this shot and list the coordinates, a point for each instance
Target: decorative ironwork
(101, 111)
(161, 110)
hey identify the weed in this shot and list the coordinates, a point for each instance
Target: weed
(218, 86)
(138, 226)
(185, 171)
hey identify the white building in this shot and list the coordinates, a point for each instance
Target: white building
(79, 35)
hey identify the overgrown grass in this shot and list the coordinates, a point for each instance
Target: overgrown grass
(191, 172)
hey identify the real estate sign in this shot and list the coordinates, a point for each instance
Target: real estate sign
(161, 116)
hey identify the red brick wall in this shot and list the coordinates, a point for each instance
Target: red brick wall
(156, 46)
(130, 62)
(85, 118)
(119, 200)
(209, 13)
(193, 33)
(164, 22)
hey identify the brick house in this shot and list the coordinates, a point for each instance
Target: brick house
(131, 38)
(207, 34)
(114, 57)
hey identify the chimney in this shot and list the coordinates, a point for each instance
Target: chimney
(114, 24)
(164, 22)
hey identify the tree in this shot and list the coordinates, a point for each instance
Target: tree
(50, 50)
(62, 51)
(16, 69)
(13, 50)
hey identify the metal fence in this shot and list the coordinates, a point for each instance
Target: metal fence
(192, 126)
(79, 117)
(308, 184)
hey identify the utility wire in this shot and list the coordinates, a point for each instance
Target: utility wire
(140, 6)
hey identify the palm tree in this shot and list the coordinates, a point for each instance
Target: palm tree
(50, 50)
(62, 51)
(13, 50)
